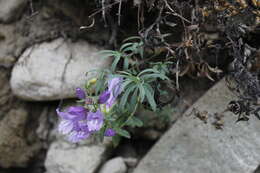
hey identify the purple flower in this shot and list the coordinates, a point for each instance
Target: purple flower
(74, 123)
(110, 132)
(104, 97)
(95, 120)
(65, 126)
(115, 88)
(76, 136)
(80, 93)
(73, 113)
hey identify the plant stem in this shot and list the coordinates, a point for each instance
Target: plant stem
(131, 115)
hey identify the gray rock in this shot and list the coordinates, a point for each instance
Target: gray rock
(5, 91)
(126, 150)
(51, 71)
(17, 144)
(63, 157)
(115, 165)
(11, 9)
(131, 161)
(8, 40)
(193, 146)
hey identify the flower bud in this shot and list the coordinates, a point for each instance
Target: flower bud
(110, 132)
(80, 93)
(92, 81)
(104, 97)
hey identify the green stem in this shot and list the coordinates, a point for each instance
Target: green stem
(132, 114)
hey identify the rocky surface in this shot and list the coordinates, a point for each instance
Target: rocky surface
(8, 40)
(115, 165)
(4, 92)
(194, 146)
(156, 124)
(51, 71)
(63, 157)
(17, 144)
(11, 9)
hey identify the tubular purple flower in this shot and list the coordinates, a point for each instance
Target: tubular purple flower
(77, 136)
(104, 97)
(115, 88)
(73, 113)
(74, 123)
(95, 120)
(65, 126)
(110, 132)
(80, 93)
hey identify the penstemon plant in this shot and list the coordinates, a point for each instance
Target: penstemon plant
(109, 101)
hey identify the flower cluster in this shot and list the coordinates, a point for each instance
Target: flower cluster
(79, 122)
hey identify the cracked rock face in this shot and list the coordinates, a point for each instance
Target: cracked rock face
(51, 71)
(194, 146)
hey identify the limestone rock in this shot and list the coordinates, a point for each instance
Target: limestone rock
(115, 165)
(11, 9)
(63, 157)
(51, 71)
(15, 149)
(193, 146)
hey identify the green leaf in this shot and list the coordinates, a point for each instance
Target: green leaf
(130, 48)
(146, 71)
(154, 76)
(124, 46)
(126, 73)
(120, 120)
(123, 133)
(125, 83)
(150, 98)
(126, 95)
(133, 101)
(107, 53)
(141, 92)
(115, 62)
(126, 63)
(128, 76)
(141, 51)
(134, 122)
(116, 140)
